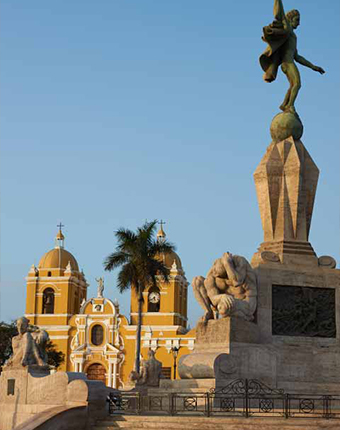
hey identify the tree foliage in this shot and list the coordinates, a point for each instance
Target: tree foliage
(137, 256)
(7, 331)
(55, 357)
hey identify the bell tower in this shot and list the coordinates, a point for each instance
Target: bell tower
(166, 303)
(55, 291)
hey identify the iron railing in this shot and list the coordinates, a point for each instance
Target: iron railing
(241, 398)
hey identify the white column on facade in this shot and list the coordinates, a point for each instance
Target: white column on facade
(80, 366)
(114, 385)
(110, 375)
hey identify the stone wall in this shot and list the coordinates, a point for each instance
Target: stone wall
(26, 395)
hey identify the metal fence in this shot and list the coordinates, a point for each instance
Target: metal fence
(241, 398)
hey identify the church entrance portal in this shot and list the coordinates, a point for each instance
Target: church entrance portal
(96, 372)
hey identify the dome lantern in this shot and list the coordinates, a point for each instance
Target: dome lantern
(60, 238)
(161, 235)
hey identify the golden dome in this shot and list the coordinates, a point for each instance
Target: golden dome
(169, 258)
(58, 257)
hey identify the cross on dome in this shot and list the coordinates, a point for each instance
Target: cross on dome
(59, 239)
(161, 235)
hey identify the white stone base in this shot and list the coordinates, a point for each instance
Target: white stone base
(296, 365)
(36, 393)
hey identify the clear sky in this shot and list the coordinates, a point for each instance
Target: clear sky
(118, 111)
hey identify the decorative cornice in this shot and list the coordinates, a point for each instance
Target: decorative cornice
(153, 314)
(48, 315)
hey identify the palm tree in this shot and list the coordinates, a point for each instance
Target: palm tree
(137, 256)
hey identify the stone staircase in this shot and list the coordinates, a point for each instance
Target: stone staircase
(162, 422)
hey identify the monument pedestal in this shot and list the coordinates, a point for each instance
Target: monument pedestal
(298, 310)
(286, 181)
(299, 317)
(300, 354)
(228, 349)
(294, 341)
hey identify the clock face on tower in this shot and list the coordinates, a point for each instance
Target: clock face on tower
(154, 297)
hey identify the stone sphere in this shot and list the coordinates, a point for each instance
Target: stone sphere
(284, 125)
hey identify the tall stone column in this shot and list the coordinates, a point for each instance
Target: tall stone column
(114, 382)
(286, 181)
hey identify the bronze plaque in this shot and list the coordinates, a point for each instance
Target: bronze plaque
(10, 387)
(303, 311)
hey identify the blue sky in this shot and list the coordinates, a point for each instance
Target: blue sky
(114, 112)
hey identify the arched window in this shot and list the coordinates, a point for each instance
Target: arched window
(154, 300)
(49, 274)
(97, 335)
(48, 301)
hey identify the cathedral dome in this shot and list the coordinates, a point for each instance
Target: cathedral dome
(58, 258)
(171, 257)
(168, 260)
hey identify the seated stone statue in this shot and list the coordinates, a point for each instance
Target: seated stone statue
(230, 289)
(28, 347)
(150, 372)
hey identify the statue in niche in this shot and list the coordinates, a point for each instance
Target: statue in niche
(282, 50)
(150, 372)
(28, 346)
(230, 289)
(100, 287)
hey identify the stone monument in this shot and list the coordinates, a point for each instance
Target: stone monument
(28, 349)
(31, 396)
(227, 337)
(280, 317)
(149, 375)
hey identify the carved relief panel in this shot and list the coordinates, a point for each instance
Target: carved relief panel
(303, 311)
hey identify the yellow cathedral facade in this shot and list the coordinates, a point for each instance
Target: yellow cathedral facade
(95, 338)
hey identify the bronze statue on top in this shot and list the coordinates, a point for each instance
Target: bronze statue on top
(282, 50)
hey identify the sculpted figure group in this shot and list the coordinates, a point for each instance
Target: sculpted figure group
(229, 289)
(28, 346)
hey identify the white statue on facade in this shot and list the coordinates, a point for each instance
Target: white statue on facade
(230, 288)
(100, 287)
(28, 346)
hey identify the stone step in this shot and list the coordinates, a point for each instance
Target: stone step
(214, 423)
